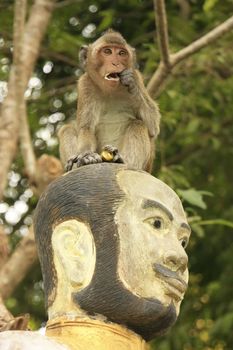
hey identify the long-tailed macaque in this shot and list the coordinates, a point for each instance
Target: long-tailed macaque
(116, 118)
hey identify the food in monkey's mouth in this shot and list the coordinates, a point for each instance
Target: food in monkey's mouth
(112, 76)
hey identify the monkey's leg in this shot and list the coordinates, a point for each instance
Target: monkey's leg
(137, 148)
(77, 148)
(68, 143)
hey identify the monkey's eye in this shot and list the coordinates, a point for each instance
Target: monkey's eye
(123, 53)
(107, 51)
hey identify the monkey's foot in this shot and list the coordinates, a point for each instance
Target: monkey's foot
(111, 154)
(83, 159)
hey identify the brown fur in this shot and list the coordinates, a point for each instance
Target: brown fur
(119, 113)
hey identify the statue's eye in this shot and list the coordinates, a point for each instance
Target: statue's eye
(158, 223)
(184, 242)
(107, 51)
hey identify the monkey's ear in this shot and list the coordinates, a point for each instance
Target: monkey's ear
(83, 56)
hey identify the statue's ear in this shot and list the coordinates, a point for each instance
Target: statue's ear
(83, 56)
(74, 252)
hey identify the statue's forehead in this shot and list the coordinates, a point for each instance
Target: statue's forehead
(142, 186)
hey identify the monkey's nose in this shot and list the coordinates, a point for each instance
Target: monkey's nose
(115, 64)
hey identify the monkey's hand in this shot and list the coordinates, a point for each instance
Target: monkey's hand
(83, 159)
(111, 154)
(127, 78)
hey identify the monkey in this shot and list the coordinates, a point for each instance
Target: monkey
(117, 120)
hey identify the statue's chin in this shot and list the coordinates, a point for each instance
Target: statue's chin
(146, 317)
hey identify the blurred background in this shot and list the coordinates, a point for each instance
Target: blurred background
(194, 149)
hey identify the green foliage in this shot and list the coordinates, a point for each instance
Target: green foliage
(194, 149)
(193, 197)
(209, 5)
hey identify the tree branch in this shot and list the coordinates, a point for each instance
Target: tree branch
(166, 65)
(162, 33)
(65, 3)
(9, 124)
(26, 147)
(60, 90)
(59, 57)
(5, 315)
(14, 102)
(19, 22)
(35, 29)
(26, 50)
(21, 111)
(205, 40)
(24, 256)
(4, 246)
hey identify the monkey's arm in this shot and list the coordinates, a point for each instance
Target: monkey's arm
(88, 112)
(145, 108)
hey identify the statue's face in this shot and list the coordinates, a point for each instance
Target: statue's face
(153, 233)
(124, 259)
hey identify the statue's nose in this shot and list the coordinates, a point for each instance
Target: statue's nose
(176, 259)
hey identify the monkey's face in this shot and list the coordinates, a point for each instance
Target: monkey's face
(112, 60)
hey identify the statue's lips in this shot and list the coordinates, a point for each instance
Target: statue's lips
(178, 285)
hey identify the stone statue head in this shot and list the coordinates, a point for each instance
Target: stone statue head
(111, 243)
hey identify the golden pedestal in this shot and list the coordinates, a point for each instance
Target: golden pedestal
(85, 334)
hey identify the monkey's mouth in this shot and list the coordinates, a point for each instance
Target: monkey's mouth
(112, 76)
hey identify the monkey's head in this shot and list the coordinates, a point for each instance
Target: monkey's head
(106, 58)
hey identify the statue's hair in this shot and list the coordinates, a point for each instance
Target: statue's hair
(89, 194)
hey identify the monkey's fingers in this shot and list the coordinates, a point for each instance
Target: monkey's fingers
(127, 78)
(70, 163)
(83, 159)
(68, 166)
(88, 158)
(111, 149)
(118, 159)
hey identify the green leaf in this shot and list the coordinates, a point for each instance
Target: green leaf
(206, 193)
(217, 222)
(193, 197)
(209, 5)
(198, 230)
(107, 20)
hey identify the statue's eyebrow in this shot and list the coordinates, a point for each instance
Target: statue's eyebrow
(186, 226)
(149, 203)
